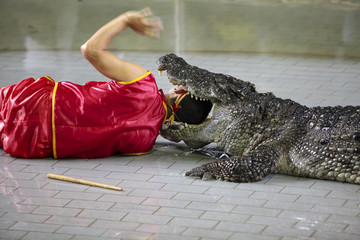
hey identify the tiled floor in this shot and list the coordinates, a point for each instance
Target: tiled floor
(158, 202)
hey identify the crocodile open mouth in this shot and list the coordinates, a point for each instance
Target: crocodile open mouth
(193, 94)
(183, 84)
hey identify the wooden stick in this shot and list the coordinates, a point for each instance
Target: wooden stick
(75, 180)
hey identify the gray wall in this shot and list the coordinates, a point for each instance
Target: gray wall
(322, 27)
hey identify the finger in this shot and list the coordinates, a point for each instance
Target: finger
(146, 12)
(152, 33)
(153, 22)
(156, 22)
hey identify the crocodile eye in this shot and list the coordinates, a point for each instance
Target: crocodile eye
(325, 129)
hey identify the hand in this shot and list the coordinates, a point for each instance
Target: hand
(144, 22)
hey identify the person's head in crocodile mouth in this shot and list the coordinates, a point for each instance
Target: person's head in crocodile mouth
(185, 108)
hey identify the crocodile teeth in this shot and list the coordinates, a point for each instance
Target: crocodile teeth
(192, 95)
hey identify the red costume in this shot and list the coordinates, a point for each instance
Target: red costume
(42, 118)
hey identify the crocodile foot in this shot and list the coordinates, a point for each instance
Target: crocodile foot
(201, 172)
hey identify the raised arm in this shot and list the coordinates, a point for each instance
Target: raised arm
(95, 49)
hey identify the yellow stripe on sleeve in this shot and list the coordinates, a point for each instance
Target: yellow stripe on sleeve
(136, 79)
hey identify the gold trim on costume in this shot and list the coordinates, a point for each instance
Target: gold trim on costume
(180, 98)
(176, 107)
(135, 154)
(53, 119)
(136, 79)
(166, 111)
(49, 78)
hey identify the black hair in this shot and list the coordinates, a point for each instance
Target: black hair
(193, 111)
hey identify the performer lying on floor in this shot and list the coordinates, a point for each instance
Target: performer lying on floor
(42, 118)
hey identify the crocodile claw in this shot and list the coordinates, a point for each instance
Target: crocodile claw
(201, 172)
(207, 176)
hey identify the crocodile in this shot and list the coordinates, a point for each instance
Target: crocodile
(261, 133)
